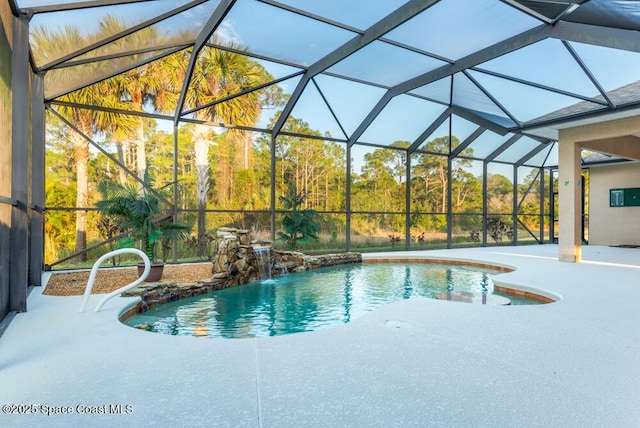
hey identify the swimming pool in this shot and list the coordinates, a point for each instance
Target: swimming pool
(311, 300)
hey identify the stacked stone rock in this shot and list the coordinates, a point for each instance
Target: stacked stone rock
(294, 261)
(235, 263)
(235, 259)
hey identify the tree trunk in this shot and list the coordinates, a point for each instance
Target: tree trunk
(443, 178)
(201, 247)
(201, 155)
(81, 154)
(231, 178)
(246, 150)
(141, 156)
(202, 188)
(326, 192)
(122, 175)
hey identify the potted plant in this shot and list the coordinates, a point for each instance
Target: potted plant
(138, 211)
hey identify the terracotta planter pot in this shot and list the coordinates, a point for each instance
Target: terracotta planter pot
(155, 274)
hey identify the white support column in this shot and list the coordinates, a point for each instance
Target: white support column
(616, 137)
(570, 199)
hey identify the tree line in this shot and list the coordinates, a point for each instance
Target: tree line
(378, 188)
(226, 169)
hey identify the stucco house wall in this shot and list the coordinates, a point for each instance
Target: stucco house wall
(613, 225)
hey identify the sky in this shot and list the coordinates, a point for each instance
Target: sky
(303, 41)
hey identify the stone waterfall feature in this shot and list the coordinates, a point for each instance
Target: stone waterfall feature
(236, 262)
(238, 258)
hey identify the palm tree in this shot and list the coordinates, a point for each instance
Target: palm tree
(88, 122)
(139, 86)
(218, 74)
(121, 139)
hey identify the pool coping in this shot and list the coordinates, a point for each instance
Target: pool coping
(543, 296)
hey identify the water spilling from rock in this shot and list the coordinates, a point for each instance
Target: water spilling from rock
(263, 255)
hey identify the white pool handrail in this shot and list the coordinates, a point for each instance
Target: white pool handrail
(94, 272)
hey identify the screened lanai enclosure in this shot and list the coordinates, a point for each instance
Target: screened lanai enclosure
(404, 124)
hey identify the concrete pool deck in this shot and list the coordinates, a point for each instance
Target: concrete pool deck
(413, 363)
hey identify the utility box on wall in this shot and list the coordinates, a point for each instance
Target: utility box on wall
(629, 197)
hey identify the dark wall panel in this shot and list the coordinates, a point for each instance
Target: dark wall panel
(6, 30)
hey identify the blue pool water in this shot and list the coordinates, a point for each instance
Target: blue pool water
(310, 300)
